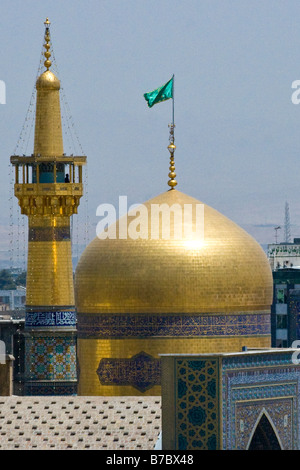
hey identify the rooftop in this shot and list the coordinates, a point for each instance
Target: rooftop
(75, 423)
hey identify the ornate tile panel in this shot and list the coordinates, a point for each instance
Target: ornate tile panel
(197, 404)
(142, 371)
(50, 358)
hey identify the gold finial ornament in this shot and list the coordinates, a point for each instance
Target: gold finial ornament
(47, 54)
(172, 182)
(172, 147)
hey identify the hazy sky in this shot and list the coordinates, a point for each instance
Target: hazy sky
(237, 130)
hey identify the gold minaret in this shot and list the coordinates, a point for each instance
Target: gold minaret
(48, 185)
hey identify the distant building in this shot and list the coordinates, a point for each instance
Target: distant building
(12, 299)
(284, 259)
(284, 255)
(285, 310)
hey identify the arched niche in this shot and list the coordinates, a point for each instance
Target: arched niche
(264, 435)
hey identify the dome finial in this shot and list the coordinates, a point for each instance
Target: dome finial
(47, 54)
(171, 147)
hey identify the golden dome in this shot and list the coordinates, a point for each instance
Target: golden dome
(226, 271)
(48, 80)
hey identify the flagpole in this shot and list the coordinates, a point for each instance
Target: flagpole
(172, 125)
(164, 93)
(173, 121)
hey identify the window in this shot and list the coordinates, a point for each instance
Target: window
(281, 296)
(281, 321)
(281, 343)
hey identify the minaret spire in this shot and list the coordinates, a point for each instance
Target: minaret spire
(48, 136)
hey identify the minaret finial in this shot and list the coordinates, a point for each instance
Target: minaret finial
(47, 54)
(172, 182)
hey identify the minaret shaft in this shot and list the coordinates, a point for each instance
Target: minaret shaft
(49, 253)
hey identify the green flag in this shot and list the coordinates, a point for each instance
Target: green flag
(162, 93)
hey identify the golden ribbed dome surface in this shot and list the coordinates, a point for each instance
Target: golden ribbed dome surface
(225, 271)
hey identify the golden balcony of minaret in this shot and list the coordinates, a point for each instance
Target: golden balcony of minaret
(59, 194)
